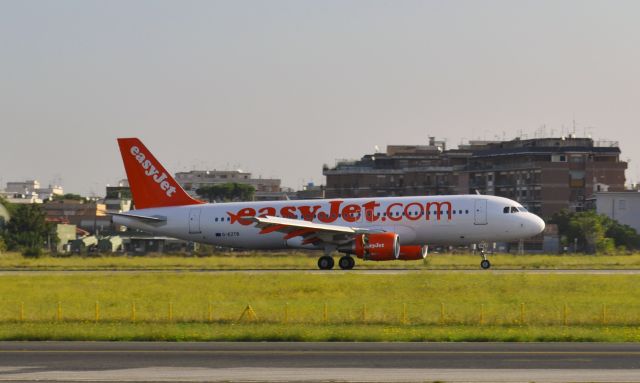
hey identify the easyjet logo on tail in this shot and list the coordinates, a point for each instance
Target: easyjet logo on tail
(151, 171)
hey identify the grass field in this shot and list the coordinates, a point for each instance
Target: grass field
(183, 332)
(295, 260)
(327, 306)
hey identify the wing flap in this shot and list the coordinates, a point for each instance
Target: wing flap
(288, 224)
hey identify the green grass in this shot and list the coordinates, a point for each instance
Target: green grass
(291, 306)
(307, 260)
(182, 332)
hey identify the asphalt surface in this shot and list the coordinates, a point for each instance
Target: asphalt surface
(158, 361)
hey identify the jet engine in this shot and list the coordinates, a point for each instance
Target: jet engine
(412, 253)
(377, 246)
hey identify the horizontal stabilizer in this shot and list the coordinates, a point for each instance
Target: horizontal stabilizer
(142, 218)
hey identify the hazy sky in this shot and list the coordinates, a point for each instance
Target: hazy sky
(280, 87)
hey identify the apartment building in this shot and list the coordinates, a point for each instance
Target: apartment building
(266, 188)
(544, 174)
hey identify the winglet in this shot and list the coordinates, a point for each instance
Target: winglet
(151, 185)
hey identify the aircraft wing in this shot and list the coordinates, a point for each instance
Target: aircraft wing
(311, 232)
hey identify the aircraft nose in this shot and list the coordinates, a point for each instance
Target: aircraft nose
(538, 224)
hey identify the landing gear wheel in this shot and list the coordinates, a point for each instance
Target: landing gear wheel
(325, 263)
(346, 262)
(485, 264)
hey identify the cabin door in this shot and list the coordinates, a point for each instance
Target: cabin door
(194, 220)
(480, 212)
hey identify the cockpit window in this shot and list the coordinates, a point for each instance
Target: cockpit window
(505, 210)
(522, 209)
(514, 209)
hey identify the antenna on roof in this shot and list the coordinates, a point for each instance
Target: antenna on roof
(478, 192)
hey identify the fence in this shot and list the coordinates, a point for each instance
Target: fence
(325, 313)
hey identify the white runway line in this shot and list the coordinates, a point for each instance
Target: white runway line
(165, 374)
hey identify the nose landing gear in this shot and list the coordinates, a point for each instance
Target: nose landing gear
(485, 264)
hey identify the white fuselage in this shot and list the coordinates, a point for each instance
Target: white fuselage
(454, 219)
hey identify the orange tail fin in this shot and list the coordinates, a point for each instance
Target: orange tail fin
(151, 185)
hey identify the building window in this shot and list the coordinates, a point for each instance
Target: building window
(622, 204)
(558, 158)
(577, 158)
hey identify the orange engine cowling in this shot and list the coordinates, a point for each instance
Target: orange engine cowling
(377, 246)
(412, 253)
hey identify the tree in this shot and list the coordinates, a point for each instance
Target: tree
(5, 213)
(227, 192)
(595, 232)
(624, 236)
(7, 205)
(589, 229)
(28, 228)
(70, 196)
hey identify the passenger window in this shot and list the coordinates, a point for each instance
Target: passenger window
(466, 212)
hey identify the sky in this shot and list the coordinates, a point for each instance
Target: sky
(279, 88)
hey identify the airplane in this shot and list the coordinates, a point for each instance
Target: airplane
(371, 229)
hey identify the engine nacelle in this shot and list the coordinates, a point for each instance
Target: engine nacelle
(412, 253)
(377, 246)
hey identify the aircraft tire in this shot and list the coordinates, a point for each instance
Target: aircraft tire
(325, 262)
(346, 262)
(485, 264)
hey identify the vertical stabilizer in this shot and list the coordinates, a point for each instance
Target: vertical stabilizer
(151, 185)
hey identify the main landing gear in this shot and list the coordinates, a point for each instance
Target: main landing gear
(346, 262)
(326, 262)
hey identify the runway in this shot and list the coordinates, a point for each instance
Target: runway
(362, 362)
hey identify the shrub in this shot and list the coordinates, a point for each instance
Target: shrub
(32, 252)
